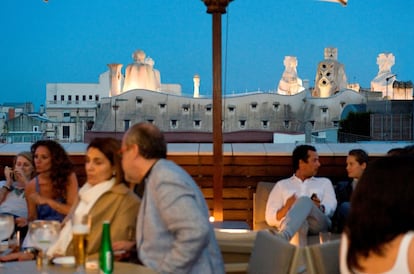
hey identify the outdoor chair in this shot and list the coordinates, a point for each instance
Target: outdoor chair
(323, 258)
(273, 255)
(236, 248)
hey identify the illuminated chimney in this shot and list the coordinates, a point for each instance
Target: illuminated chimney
(115, 79)
(196, 80)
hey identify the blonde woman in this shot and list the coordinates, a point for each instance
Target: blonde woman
(12, 194)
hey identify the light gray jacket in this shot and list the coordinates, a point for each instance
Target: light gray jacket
(174, 234)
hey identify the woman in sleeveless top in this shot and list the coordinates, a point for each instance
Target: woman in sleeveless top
(379, 234)
(53, 191)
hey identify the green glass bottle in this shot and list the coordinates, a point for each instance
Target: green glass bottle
(106, 255)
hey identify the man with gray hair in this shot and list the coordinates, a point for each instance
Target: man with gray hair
(173, 233)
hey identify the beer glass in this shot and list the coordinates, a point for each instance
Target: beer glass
(81, 224)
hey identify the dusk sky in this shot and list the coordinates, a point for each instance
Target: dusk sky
(72, 41)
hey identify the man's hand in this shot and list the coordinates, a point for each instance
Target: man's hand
(284, 210)
(123, 249)
(317, 202)
(290, 201)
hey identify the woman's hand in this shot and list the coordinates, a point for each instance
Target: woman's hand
(37, 199)
(20, 176)
(21, 221)
(8, 174)
(17, 256)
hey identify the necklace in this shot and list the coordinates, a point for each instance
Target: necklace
(18, 191)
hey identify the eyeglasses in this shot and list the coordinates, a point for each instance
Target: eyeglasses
(123, 150)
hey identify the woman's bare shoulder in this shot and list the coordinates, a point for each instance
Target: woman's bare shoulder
(411, 256)
(72, 179)
(31, 185)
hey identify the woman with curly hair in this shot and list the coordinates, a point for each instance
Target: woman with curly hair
(52, 192)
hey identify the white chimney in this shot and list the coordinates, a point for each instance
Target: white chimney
(196, 80)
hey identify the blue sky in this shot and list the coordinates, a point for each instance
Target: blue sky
(70, 41)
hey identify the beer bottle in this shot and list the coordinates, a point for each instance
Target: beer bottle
(106, 256)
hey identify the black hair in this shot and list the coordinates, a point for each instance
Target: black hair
(301, 153)
(380, 207)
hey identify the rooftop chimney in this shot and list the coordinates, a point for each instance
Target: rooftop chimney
(11, 113)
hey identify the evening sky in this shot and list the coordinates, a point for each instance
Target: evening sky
(72, 41)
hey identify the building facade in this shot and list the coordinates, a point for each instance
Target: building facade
(71, 108)
(119, 100)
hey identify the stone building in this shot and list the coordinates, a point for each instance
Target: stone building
(119, 100)
(71, 108)
(252, 111)
(330, 75)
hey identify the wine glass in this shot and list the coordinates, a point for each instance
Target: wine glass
(43, 234)
(6, 226)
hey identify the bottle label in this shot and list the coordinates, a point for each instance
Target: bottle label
(106, 259)
(107, 266)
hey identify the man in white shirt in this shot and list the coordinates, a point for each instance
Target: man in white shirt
(302, 203)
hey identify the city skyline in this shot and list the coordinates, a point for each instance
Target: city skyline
(72, 42)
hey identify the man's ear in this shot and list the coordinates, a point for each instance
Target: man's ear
(135, 149)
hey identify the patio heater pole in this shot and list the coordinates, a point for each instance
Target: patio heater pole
(217, 8)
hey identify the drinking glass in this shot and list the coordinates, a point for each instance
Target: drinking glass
(324, 237)
(6, 227)
(14, 242)
(43, 234)
(81, 224)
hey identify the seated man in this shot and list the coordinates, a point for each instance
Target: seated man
(173, 234)
(302, 203)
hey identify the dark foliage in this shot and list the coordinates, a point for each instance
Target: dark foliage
(355, 127)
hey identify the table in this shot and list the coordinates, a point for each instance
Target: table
(231, 225)
(31, 267)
